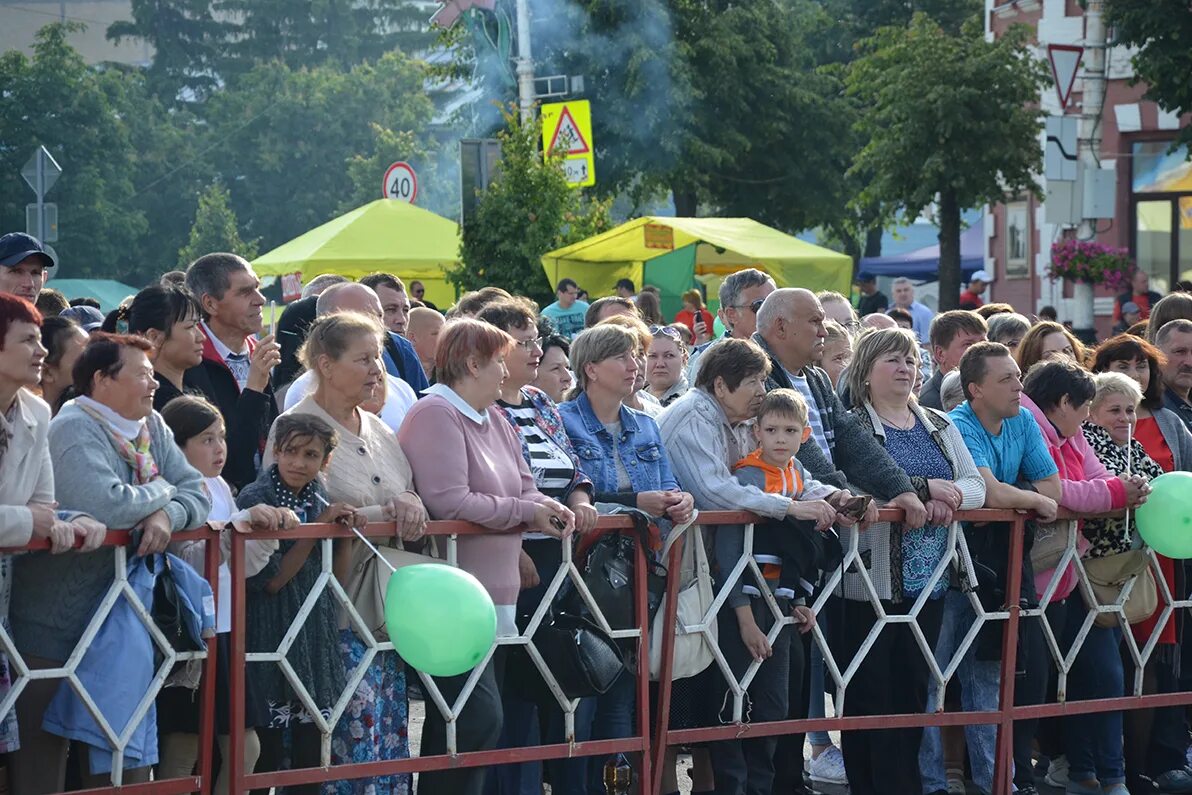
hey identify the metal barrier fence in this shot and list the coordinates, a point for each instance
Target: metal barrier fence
(118, 737)
(652, 748)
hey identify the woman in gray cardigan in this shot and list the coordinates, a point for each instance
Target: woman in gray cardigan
(114, 457)
(900, 560)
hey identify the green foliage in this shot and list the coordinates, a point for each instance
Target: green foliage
(283, 140)
(951, 119)
(95, 124)
(215, 229)
(1161, 30)
(528, 210)
(200, 43)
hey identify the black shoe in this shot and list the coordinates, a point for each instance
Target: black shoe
(1141, 785)
(1027, 789)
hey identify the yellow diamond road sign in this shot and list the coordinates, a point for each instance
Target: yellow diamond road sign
(567, 133)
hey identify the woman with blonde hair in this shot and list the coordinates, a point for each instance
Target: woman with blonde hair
(640, 399)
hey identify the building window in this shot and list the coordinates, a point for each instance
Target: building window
(1017, 248)
(1161, 212)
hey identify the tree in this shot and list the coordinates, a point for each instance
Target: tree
(215, 229)
(187, 43)
(1161, 30)
(528, 210)
(92, 122)
(282, 139)
(199, 44)
(951, 119)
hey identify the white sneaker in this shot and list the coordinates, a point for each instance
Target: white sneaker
(828, 767)
(1057, 772)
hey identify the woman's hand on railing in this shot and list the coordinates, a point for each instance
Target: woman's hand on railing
(658, 503)
(586, 515)
(680, 511)
(409, 514)
(45, 514)
(155, 533)
(938, 513)
(754, 640)
(553, 518)
(915, 512)
(92, 531)
(945, 491)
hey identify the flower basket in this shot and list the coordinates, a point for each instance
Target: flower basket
(1091, 263)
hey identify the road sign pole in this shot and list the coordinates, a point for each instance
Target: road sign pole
(41, 196)
(525, 63)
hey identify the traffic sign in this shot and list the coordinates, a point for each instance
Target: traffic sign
(1065, 61)
(567, 133)
(41, 180)
(400, 183)
(47, 229)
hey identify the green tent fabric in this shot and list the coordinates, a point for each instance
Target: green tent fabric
(384, 235)
(109, 293)
(672, 252)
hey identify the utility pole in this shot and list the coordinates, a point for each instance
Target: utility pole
(1092, 100)
(525, 63)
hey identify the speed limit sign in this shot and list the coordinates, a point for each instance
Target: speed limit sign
(400, 182)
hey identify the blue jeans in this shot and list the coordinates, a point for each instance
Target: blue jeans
(815, 707)
(978, 692)
(1094, 742)
(612, 719)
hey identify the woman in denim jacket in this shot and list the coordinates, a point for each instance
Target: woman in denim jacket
(621, 450)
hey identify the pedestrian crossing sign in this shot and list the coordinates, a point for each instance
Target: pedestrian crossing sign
(567, 134)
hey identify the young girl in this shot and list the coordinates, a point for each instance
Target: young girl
(199, 430)
(302, 449)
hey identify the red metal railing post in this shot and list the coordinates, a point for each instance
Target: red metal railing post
(1004, 755)
(667, 663)
(237, 672)
(207, 727)
(645, 777)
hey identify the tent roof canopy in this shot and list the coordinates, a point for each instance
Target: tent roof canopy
(924, 264)
(383, 235)
(731, 241)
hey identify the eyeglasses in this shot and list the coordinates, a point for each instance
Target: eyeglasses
(754, 305)
(531, 344)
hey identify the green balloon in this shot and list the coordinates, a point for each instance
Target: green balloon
(1165, 520)
(440, 618)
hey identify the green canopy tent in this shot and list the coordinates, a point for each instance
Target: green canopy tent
(109, 293)
(385, 235)
(674, 253)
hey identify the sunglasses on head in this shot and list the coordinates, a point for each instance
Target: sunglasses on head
(666, 331)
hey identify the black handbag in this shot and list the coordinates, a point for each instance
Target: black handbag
(608, 571)
(167, 611)
(583, 657)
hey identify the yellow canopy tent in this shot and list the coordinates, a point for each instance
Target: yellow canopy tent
(385, 235)
(672, 253)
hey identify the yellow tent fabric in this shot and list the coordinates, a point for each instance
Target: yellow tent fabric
(719, 246)
(385, 235)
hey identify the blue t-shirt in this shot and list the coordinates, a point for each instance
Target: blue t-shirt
(570, 321)
(1017, 452)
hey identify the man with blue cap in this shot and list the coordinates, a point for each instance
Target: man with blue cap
(23, 265)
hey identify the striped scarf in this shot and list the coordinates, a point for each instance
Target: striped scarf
(135, 453)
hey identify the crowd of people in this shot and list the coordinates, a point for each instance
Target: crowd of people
(364, 403)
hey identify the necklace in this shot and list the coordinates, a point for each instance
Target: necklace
(902, 426)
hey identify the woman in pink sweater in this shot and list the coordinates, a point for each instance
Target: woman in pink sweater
(468, 466)
(1059, 392)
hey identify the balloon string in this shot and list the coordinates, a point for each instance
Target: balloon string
(1129, 470)
(361, 536)
(376, 552)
